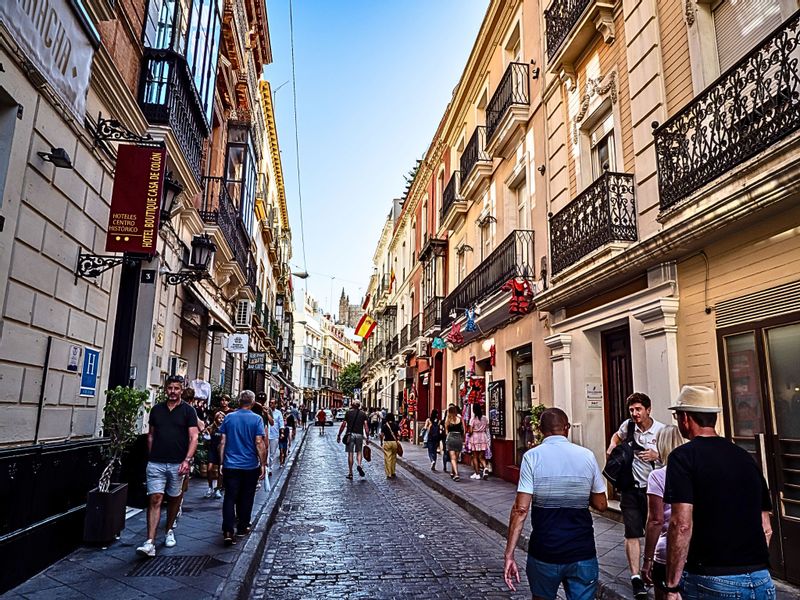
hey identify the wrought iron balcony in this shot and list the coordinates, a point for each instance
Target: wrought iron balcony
(452, 201)
(513, 257)
(414, 333)
(404, 334)
(560, 18)
(394, 346)
(604, 212)
(512, 91)
(432, 314)
(250, 277)
(474, 152)
(753, 105)
(218, 209)
(167, 96)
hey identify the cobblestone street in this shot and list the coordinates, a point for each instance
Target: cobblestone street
(375, 538)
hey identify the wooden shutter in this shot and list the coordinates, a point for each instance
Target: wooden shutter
(740, 25)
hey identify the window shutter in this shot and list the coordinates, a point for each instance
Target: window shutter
(244, 313)
(740, 25)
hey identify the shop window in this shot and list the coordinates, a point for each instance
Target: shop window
(521, 382)
(744, 389)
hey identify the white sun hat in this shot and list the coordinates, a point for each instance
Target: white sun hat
(696, 398)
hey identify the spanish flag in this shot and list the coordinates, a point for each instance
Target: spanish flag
(365, 327)
(392, 279)
(365, 304)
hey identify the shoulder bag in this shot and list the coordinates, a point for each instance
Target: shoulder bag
(619, 466)
(399, 445)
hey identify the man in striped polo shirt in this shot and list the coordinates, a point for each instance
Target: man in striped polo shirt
(558, 482)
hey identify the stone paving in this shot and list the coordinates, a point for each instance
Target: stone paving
(115, 573)
(375, 538)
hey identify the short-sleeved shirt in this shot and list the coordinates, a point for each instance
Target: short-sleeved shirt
(728, 494)
(647, 440)
(390, 431)
(277, 424)
(561, 476)
(655, 486)
(241, 428)
(355, 419)
(171, 432)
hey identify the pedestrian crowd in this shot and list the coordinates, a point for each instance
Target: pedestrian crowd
(698, 500)
(240, 447)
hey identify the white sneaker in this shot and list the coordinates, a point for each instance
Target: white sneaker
(474, 476)
(147, 549)
(218, 494)
(170, 542)
(209, 493)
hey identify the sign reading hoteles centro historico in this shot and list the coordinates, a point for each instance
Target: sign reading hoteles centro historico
(136, 199)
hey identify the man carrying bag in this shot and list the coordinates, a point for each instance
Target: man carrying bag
(356, 422)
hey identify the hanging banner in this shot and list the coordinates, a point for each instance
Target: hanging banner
(58, 41)
(237, 343)
(136, 199)
(256, 361)
(497, 408)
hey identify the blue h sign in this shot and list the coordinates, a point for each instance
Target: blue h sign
(91, 365)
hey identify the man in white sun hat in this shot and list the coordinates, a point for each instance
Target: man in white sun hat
(720, 526)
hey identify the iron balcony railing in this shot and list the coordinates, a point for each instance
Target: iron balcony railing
(394, 347)
(250, 277)
(168, 96)
(414, 333)
(559, 20)
(432, 314)
(513, 257)
(218, 209)
(513, 89)
(474, 152)
(450, 194)
(604, 212)
(752, 106)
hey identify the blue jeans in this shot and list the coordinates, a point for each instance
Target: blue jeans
(240, 493)
(432, 452)
(750, 586)
(579, 578)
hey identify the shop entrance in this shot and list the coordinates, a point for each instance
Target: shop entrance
(760, 366)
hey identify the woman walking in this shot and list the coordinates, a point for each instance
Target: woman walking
(455, 439)
(215, 437)
(654, 567)
(478, 442)
(433, 429)
(390, 436)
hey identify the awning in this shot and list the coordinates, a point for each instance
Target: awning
(284, 381)
(220, 316)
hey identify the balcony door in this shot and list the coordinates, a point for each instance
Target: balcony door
(760, 365)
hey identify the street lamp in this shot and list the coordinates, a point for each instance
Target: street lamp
(300, 274)
(172, 189)
(203, 250)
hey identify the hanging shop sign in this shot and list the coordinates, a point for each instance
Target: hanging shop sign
(256, 361)
(136, 199)
(237, 343)
(58, 42)
(497, 408)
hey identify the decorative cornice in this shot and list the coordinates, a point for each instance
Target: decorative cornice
(274, 151)
(594, 87)
(689, 12)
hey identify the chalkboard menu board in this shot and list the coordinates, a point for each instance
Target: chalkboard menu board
(256, 361)
(497, 408)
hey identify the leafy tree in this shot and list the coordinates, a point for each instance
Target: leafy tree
(350, 379)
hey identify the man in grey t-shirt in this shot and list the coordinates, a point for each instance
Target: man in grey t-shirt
(633, 503)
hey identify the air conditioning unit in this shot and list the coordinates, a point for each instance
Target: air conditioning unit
(421, 347)
(244, 313)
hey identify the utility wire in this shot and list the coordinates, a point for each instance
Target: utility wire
(297, 143)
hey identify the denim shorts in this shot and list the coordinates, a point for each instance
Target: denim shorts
(579, 579)
(163, 477)
(748, 586)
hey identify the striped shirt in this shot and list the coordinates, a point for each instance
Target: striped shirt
(560, 476)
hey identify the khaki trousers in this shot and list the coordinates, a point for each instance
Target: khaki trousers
(389, 457)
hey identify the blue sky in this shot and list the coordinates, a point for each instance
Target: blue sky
(373, 80)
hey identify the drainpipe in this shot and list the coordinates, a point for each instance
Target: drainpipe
(42, 389)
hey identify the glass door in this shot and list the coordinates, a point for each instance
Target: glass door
(783, 387)
(744, 390)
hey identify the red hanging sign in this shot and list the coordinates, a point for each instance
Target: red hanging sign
(136, 200)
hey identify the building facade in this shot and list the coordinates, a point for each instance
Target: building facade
(181, 82)
(632, 167)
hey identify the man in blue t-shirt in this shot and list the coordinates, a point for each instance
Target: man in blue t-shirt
(243, 456)
(561, 480)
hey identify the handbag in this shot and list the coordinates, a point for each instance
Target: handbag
(619, 466)
(346, 438)
(399, 445)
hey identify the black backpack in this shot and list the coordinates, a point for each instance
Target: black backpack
(619, 467)
(433, 431)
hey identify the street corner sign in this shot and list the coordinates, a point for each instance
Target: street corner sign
(136, 199)
(58, 39)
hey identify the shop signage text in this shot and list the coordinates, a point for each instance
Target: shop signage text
(497, 408)
(136, 200)
(237, 343)
(256, 361)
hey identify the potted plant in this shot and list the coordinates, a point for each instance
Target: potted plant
(105, 504)
(536, 414)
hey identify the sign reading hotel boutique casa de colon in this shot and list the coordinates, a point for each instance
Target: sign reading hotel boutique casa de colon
(136, 200)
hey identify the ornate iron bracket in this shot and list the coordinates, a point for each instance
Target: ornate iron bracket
(94, 265)
(113, 130)
(186, 276)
